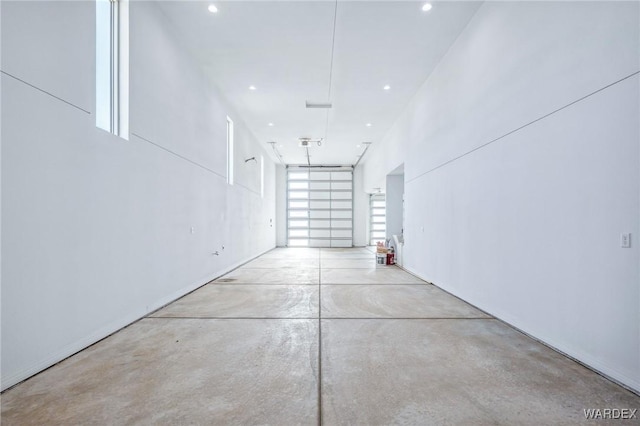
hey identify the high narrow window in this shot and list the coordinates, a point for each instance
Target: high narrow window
(112, 66)
(229, 151)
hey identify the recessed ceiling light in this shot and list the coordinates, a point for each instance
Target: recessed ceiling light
(281, 146)
(368, 124)
(270, 124)
(252, 87)
(212, 8)
(427, 7)
(357, 146)
(386, 87)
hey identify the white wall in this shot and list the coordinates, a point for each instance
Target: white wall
(393, 198)
(527, 227)
(97, 229)
(281, 206)
(1, 133)
(360, 209)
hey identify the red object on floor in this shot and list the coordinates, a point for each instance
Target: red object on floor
(391, 259)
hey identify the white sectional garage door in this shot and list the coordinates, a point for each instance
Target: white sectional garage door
(319, 207)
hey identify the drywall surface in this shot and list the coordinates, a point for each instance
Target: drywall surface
(522, 163)
(281, 206)
(98, 230)
(393, 197)
(0, 190)
(360, 209)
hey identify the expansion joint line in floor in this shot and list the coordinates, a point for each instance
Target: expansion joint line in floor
(320, 337)
(231, 318)
(317, 318)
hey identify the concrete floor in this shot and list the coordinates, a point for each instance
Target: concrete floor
(315, 336)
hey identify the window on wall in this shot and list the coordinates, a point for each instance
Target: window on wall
(112, 66)
(229, 151)
(377, 219)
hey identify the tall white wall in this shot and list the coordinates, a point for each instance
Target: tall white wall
(97, 229)
(360, 209)
(393, 197)
(281, 206)
(522, 169)
(1, 133)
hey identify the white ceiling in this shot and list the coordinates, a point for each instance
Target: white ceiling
(284, 49)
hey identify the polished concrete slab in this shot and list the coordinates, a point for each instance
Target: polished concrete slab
(351, 263)
(382, 275)
(346, 250)
(179, 372)
(245, 275)
(456, 372)
(290, 253)
(393, 301)
(283, 262)
(346, 253)
(246, 301)
(245, 349)
(340, 255)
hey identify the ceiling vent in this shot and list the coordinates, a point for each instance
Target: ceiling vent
(325, 105)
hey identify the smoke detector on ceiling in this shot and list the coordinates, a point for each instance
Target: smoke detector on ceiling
(308, 142)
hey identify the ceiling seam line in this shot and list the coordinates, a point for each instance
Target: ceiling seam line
(333, 45)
